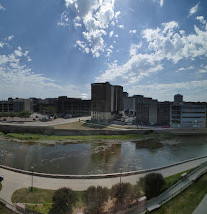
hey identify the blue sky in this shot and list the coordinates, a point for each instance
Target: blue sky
(155, 48)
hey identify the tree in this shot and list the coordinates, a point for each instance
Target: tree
(152, 184)
(95, 198)
(63, 200)
(123, 194)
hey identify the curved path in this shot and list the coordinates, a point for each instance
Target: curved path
(14, 180)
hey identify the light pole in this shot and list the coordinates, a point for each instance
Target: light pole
(32, 168)
(120, 174)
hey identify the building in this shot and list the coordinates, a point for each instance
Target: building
(6, 106)
(146, 113)
(163, 113)
(130, 103)
(106, 101)
(75, 107)
(187, 114)
(16, 105)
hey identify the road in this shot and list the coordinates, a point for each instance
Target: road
(57, 121)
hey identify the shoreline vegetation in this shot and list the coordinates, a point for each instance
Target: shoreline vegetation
(144, 139)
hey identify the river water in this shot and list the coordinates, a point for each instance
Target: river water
(98, 158)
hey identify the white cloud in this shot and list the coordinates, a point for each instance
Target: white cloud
(2, 7)
(201, 19)
(165, 43)
(170, 43)
(116, 36)
(192, 90)
(132, 31)
(185, 69)
(194, 9)
(134, 48)
(17, 79)
(96, 16)
(135, 69)
(120, 26)
(203, 69)
(111, 34)
(161, 3)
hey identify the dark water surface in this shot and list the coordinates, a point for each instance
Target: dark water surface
(97, 158)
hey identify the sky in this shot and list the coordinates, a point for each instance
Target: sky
(155, 48)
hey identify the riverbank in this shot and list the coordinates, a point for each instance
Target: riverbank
(53, 139)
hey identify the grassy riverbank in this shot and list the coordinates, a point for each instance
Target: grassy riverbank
(37, 137)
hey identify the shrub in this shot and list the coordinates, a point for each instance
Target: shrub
(63, 200)
(95, 198)
(152, 184)
(123, 193)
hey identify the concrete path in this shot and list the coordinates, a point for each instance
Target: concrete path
(202, 207)
(13, 180)
(174, 190)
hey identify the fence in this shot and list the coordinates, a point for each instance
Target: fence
(183, 188)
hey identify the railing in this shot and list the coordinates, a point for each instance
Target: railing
(183, 188)
(17, 209)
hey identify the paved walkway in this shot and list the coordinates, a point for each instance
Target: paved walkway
(202, 207)
(13, 181)
(174, 190)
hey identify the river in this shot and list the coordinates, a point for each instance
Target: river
(98, 158)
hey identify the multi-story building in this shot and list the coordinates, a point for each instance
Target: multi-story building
(75, 107)
(163, 113)
(16, 105)
(146, 113)
(187, 114)
(106, 101)
(6, 106)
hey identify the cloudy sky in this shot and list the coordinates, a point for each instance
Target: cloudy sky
(155, 48)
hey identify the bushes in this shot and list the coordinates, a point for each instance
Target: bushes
(123, 194)
(63, 199)
(95, 198)
(152, 184)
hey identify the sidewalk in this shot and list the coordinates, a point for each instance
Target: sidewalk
(175, 190)
(202, 207)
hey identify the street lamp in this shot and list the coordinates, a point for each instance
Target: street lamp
(120, 174)
(32, 168)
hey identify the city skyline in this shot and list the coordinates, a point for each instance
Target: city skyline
(56, 48)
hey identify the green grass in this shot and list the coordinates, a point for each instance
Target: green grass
(170, 180)
(34, 137)
(27, 136)
(39, 200)
(187, 201)
(40, 208)
(36, 196)
(1, 134)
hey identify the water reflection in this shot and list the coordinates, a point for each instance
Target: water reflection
(94, 158)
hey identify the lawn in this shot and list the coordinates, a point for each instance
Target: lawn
(187, 201)
(39, 200)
